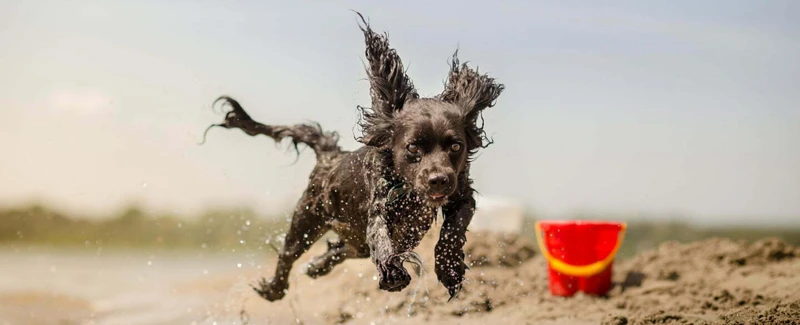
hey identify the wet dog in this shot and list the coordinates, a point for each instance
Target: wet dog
(383, 197)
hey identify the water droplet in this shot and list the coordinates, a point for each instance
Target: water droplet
(149, 263)
(239, 265)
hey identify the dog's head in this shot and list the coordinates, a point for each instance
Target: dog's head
(430, 140)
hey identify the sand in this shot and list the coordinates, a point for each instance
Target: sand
(50, 309)
(715, 281)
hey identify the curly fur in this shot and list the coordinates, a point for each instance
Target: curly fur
(383, 197)
(470, 89)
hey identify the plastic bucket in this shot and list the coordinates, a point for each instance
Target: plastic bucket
(579, 254)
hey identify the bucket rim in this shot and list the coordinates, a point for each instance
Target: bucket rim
(579, 270)
(581, 222)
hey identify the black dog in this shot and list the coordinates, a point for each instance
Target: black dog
(382, 198)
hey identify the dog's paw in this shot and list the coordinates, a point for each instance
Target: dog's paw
(270, 290)
(323, 264)
(317, 267)
(451, 275)
(393, 276)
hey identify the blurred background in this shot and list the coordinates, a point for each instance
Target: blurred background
(680, 117)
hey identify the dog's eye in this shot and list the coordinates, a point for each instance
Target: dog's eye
(412, 148)
(455, 147)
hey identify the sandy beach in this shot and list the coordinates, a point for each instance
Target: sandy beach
(715, 281)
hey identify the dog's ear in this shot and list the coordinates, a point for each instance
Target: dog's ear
(390, 88)
(472, 92)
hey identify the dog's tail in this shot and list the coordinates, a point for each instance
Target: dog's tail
(311, 135)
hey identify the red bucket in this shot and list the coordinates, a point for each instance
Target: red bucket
(579, 254)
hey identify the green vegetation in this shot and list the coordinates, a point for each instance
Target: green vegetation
(224, 229)
(133, 228)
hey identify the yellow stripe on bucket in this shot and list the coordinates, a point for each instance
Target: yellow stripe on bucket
(578, 270)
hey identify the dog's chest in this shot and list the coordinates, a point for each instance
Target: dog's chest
(409, 224)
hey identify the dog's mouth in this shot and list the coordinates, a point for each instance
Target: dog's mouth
(436, 199)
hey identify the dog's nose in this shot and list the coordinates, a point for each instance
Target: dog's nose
(438, 182)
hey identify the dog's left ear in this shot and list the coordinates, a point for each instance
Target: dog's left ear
(390, 88)
(472, 92)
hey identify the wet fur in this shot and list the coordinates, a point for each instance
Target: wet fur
(382, 198)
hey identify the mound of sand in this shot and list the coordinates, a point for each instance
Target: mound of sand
(505, 250)
(716, 281)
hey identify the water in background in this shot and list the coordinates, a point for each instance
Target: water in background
(70, 287)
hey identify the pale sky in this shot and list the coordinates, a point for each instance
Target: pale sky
(663, 107)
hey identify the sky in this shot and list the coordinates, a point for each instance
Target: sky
(672, 108)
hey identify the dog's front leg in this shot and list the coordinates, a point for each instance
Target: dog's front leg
(393, 276)
(449, 251)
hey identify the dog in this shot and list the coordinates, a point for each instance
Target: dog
(382, 198)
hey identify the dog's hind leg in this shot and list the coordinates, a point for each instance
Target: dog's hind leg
(338, 252)
(306, 229)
